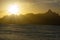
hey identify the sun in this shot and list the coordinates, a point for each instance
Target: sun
(13, 9)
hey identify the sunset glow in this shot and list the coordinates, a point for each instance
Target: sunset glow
(13, 9)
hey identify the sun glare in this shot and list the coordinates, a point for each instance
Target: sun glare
(13, 9)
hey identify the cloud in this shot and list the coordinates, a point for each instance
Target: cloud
(40, 1)
(36, 1)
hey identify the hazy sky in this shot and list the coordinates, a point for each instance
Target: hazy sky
(33, 6)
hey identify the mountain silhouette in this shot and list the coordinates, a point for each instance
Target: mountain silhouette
(49, 18)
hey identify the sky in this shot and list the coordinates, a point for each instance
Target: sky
(32, 6)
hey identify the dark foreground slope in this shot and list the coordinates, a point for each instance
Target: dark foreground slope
(29, 32)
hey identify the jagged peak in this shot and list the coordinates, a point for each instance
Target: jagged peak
(50, 11)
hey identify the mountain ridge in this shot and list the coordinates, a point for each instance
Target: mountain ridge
(50, 18)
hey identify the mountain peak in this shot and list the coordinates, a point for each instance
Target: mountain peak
(49, 11)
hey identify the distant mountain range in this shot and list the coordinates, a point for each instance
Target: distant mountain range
(48, 18)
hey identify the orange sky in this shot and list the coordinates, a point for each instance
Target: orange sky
(30, 6)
